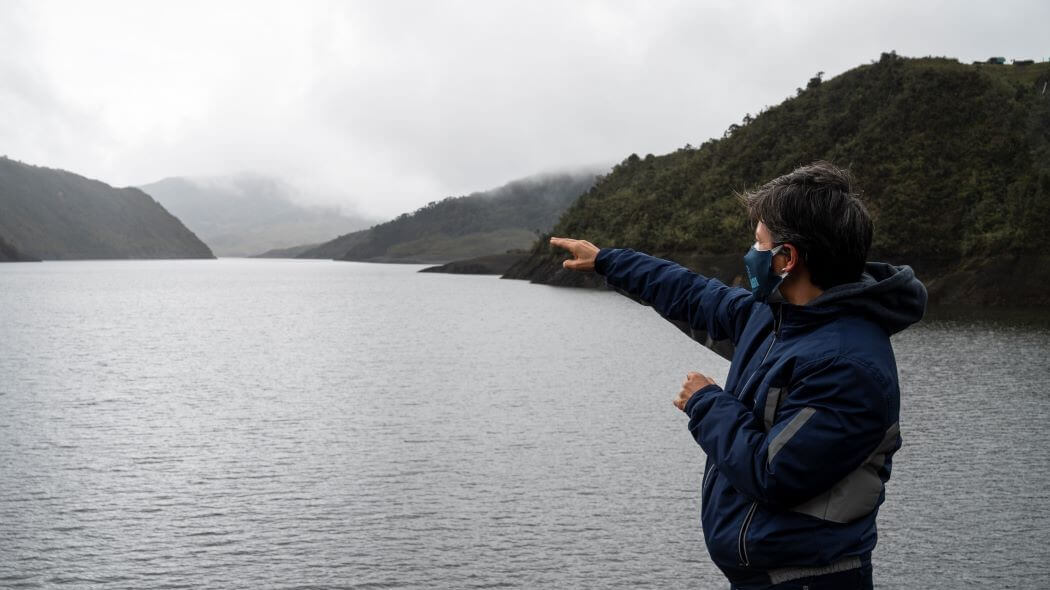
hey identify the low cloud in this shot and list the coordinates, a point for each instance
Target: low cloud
(380, 107)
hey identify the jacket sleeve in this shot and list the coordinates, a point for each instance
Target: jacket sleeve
(677, 293)
(834, 416)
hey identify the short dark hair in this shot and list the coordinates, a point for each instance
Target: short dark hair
(816, 209)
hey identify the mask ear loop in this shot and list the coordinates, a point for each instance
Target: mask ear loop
(773, 252)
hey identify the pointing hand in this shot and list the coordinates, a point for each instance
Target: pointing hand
(583, 253)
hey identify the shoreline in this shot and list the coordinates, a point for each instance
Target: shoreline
(1002, 281)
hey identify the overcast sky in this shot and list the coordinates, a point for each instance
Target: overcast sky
(383, 106)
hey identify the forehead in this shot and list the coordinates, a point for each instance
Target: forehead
(761, 231)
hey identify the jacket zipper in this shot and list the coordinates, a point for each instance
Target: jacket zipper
(743, 390)
(776, 329)
(741, 546)
(742, 539)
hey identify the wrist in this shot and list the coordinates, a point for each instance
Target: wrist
(700, 394)
(601, 258)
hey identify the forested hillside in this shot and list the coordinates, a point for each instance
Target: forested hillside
(55, 215)
(953, 161)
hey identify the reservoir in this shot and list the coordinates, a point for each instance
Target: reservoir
(247, 423)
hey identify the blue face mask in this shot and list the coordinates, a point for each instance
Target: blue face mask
(759, 264)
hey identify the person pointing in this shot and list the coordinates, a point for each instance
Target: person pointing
(799, 441)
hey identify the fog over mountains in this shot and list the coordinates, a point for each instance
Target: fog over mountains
(508, 217)
(53, 214)
(247, 214)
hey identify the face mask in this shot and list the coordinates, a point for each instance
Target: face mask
(759, 264)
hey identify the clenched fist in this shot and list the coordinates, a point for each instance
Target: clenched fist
(693, 383)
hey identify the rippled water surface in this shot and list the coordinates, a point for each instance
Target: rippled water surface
(267, 423)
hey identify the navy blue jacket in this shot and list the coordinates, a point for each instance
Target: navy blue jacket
(800, 440)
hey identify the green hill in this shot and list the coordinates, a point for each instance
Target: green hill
(56, 215)
(491, 222)
(953, 160)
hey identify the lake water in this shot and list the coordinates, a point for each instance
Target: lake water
(282, 423)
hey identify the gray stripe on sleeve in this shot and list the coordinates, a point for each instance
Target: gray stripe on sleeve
(789, 431)
(858, 493)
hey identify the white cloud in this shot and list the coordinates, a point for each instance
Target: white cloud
(384, 106)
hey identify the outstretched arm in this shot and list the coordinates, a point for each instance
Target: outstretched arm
(674, 291)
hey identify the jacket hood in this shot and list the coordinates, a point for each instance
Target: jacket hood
(888, 294)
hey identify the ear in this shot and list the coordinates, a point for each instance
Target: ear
(791, 257)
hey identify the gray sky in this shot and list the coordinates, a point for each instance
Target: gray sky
(383, 106)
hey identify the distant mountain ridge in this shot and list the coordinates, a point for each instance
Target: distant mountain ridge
(53, 214)
(291, 252)
(509, 217)
(953, 159)
(248, 214)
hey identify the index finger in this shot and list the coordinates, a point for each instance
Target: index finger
(565, 243)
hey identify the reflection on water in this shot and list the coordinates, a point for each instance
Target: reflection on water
(246, 423)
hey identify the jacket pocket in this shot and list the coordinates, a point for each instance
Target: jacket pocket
(742, 538)
(707, 484)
